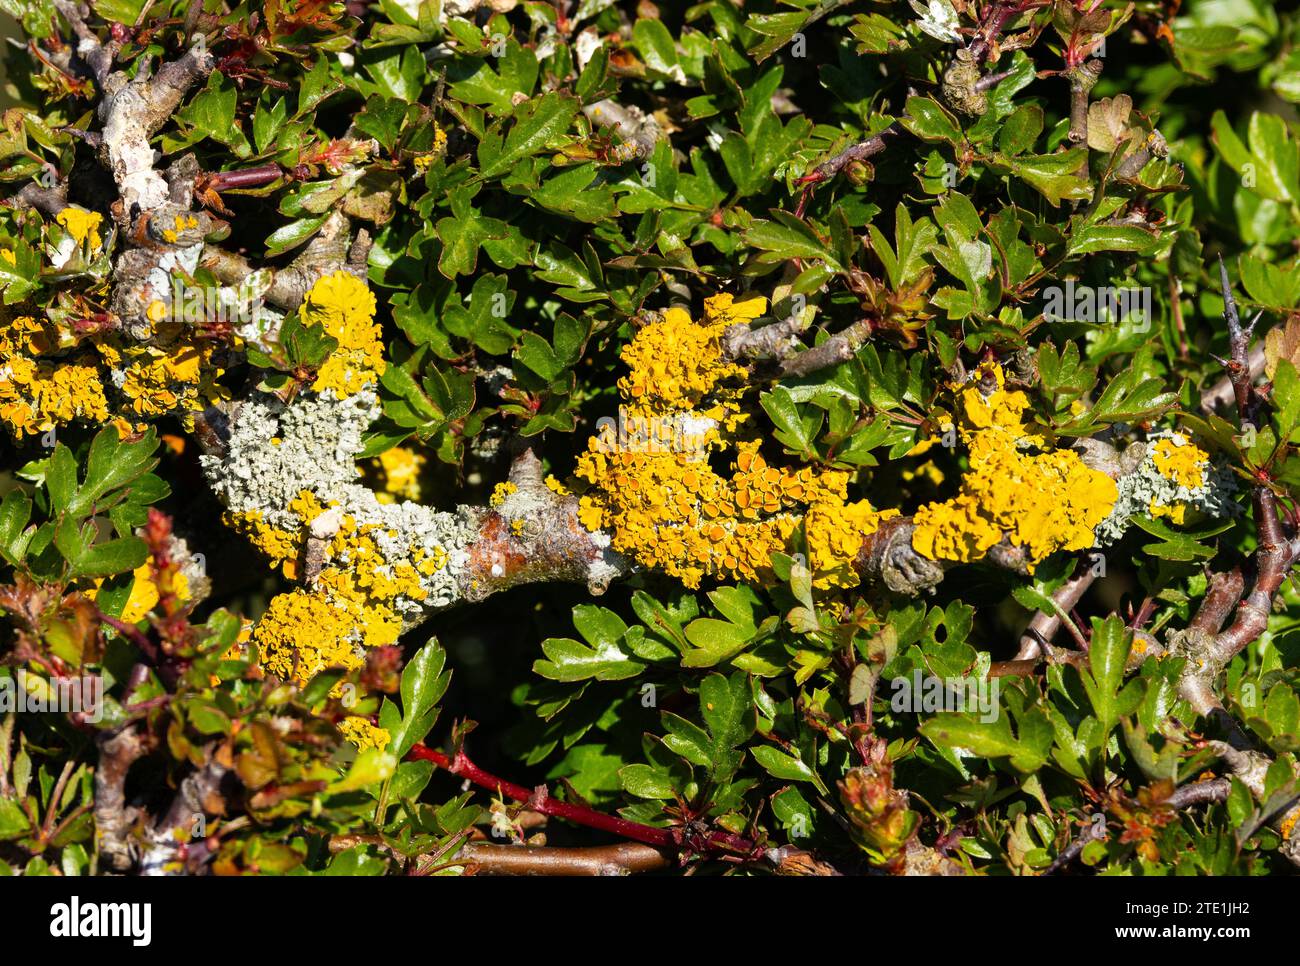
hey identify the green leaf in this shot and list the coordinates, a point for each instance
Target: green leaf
(538, 124)
(1055, 176)
(930, 121)
(13, 820)
(729, 716)
(994, 739)
(424, 682)
(780, 765)
(604, 660)
(787, 237)
(1107, 660)
(111, 465)
(794, 429)
(464, 233)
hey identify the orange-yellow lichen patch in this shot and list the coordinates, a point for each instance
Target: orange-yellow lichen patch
(173, 374)
(38, 394)
(82, 225)
(281, 547)
(676, 364)
(424, 160)
(1043, 502)
(345, 307)
(725, 310)
(181, 223)
(659, 496)
(834, 533)
(500, 493)
(363, 734)
(396, 474)
(302, 633)
(1182, 462)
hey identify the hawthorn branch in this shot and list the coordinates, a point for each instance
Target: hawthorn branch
(330, 249)
(840, 347)
(860, 151)
(1083, 78)
(1044, 625)
(97, 55)
(118, 751)
(48, 201)
(539, 800)
(1238, 364)
(1185, 796)
(199, 796)
(483, 858)
(1224, 391)
(1206, 647)
(680, 842)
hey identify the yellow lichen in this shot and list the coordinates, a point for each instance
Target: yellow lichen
(363, 734)
(430, 561)
(396, 473)
(281, 547)
(174, 373)
(675, 364)
(834, 535)
(302, 633)
(425, 159)
(499, 494)
(654, 487)
(82, 225)
(345, 307)
(1042, 502)
(306, 505)
(358, 586)
(1181, 461)
(39, 394)
(1176, 512)
(180, 224)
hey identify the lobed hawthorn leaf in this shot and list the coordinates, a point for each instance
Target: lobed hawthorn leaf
(424, 682)
(538, 124)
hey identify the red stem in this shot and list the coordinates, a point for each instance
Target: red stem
(245, 178)
(539, 800)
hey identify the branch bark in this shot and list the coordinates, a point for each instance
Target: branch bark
(118, 751)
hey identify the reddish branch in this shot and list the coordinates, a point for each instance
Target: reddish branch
(244, 178)
(683, 842)
(539, 800)
(997, 17)
(860, 151)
